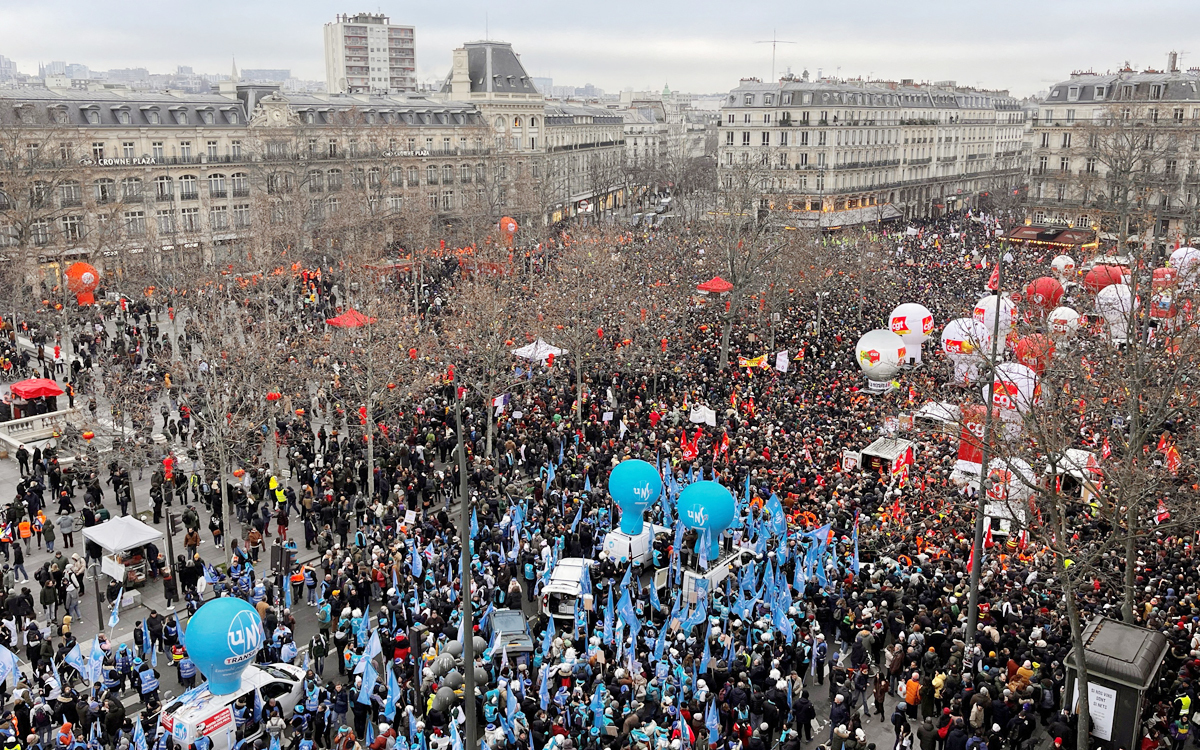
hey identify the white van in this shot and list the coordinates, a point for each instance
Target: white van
(638, 548)
(198, 713)
(709, 580)
(564, 589)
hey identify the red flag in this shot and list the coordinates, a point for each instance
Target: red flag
(1162, 443)
(1174, 461)
(1106, 450)
(994, 281)
(1163, 514)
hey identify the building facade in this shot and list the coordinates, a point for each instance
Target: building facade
(365, 53)
(847, 152)
(1096, 138)
(128, 179)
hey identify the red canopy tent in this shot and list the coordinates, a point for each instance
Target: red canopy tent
(715, 285)
(350, 319)
(36, 388)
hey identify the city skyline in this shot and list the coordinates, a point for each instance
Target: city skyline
(611, 53)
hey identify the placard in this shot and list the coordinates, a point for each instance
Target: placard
(113, 568)
(608, 416)
(410, 517)
(1102, 707)
(851, 460)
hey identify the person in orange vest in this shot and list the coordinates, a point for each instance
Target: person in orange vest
(25, 531)
(65, 736)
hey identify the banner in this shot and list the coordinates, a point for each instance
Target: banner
(970, 438)
(760, 361)
(851, 460)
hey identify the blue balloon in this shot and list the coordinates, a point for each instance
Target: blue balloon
(634, 485)
(222, 639)
(706, 506)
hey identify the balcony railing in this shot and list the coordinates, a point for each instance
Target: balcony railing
(189, 195)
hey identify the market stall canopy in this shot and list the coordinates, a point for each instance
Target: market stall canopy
(715, 285)
(538, 351)
(36, 388)
(122, 533)
(350, 319)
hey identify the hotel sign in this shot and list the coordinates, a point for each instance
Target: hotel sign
(133, 161)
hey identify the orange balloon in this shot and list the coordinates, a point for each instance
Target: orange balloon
(82, 280)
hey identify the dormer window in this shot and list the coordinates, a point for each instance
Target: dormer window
(123, 116)
(181, 117)
(207, 117)
(310, 117)
(93, 117)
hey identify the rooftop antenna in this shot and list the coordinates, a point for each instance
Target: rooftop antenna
(773, 41)
(486, 31)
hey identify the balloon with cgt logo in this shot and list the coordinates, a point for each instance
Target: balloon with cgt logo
(222, 638)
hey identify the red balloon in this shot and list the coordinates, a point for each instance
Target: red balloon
(1165, 277)
(412, 353)
(1102, 276)
(550, 360)
(1044, 293)
(600, 332)
(1034, 351)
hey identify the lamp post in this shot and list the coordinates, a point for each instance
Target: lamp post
(464, 537)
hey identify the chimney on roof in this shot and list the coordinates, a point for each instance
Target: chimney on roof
(1172, 62)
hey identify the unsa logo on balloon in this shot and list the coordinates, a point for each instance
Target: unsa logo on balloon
(244, 637)
(698, 516)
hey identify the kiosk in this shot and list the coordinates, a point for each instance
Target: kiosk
(1122, 663)
(125, 540)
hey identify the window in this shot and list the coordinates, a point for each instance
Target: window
(216, 186)
(1048, 116)
(211, 148)
(802, 160)
(1100, 92)
(447, 200)
(766, 138)
(131, 188)
(156, 151)
(395, 203)
(746, 138)
(235, 149)
(127, 149)
(374, 178)
(748, 100)
(185, 151)
(1090, 165)
(413, 176)
(332, 148)
(1170, 167)
(1070, 116)
(165, 219)
(768, 99)
(153, 118)
(135, 223)
(189, 219)
(218, 218)
(39, 232)
(1073, 94)
(105, 190)
(188, 188)
(1066, 140)
(447, 174)
(97, 151)
(333, 180)
(70, 194)
(803, 138)
(1045, 140)
(785, 99)
(1064, 164)
(240, 184)
(1177, 115)
(480, 173)
(316, 181)
(241, 216)
(731, 118)
(316, 209)
(821, 139)
(728, 137)
(1154, 115)
(1042, 162)
(1156, 90)
(72, 228)
(783, 138)
(431, 175)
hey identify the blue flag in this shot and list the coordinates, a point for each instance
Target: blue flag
(628, 615)
(548, 640)
(712, 721)
(704, 659)
(777, 523)
(585, 581)
(139, 735)
(364, 627)
(474, 523)
(179, 627)
(587, 482)
(854, 563)
(74, 659)
(287, 592)
(608, 618)
(115, 616)
(578, 517)
(148, 645)
(544, 687)
(369, 678)
(417, 566)
(257, 706)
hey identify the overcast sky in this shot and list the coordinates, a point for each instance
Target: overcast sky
(701, 46)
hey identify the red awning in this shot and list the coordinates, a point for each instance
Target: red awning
(36, 388)
(715, 285)
(350, 319)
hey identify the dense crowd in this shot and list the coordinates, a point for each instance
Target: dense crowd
(881, 616)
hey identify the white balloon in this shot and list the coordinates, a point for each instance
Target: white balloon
(914, 324)
(1187, 260)
(985, 313)
(1063, 265)
(1016, 388)
(879, 354)
(1062, 320)
(1116, 303)
(964, 338)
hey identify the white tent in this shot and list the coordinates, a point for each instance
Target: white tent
(538, 351)
(121, 534)
(939, 411)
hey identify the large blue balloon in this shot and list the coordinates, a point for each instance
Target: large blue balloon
(222, 639)
(634, 484)
(706, 506)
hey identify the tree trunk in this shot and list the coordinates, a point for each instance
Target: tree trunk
(226, 519)
(1130, 581)
(579, 391)
(726, 329)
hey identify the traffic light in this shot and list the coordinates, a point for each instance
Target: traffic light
(174, 523)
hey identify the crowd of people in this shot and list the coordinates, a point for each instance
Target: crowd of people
(880, 618)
